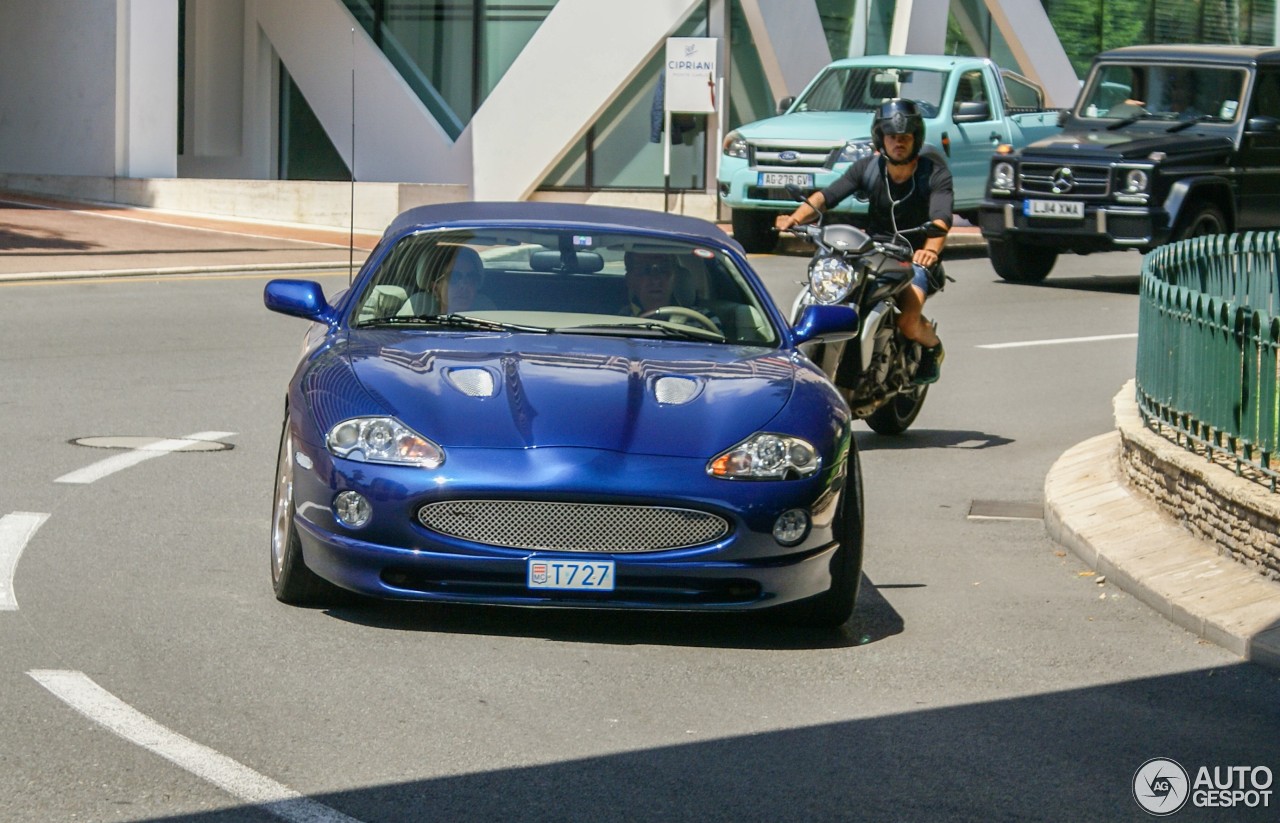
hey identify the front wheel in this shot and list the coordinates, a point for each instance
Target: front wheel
(899, 413)
(1020, 263)
(754, 230)
(1200, 222)
(835, 606)
(292, 581)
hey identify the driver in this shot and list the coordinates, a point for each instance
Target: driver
(906, 189)
(651, 280)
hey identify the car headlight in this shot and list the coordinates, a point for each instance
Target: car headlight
(383, 440)
(735, 145)
(856, 150)
(830, 279)
(1002, 176)
(765, 456)
(1136, 181)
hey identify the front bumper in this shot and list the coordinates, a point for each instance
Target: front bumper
(740, 187)
(396, 557)
(1104, 227)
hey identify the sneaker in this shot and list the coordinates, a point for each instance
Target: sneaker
(930, 365)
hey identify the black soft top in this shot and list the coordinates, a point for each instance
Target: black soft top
(1222, 55)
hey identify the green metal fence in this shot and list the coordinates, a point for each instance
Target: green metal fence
(1208, 332)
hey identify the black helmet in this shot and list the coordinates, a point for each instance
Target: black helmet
(898, 116)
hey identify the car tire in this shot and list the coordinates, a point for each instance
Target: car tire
(292, 581)
(1020, 263)
(1200, 221)
(754, 231)
(899, 413)
(835, 606)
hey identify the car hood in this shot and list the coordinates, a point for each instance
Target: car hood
(1128, 143)
(519, 391)
(832, 126)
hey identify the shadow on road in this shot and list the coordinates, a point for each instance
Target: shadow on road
(874, 619)
(929, 439)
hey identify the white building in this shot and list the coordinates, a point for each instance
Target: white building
(266, 108)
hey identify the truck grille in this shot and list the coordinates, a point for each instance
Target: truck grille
(785, 157)
(573, 527)
(1062, 180)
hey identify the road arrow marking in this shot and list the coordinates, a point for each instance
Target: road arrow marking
(15, 531)
(113, 464)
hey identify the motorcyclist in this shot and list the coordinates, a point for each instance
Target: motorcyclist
(907, 185)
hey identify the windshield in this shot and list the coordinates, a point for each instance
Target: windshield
(584, 281)
(1125, 91)
(865, 88)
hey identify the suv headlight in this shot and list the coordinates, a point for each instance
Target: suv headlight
(765, 456)
(735, 145)
(383, 440)
(1136, 181)
(830, 279)
(1003, 176)
(856, 150)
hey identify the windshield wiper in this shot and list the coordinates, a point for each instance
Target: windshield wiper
(668, 329)
(1186, 124)
(452, 321)
(1128, 121)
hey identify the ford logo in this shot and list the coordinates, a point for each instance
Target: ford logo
(789, 156)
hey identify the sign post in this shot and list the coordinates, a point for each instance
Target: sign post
(691, 84)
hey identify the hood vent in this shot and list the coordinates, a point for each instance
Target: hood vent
(472, 382)
(676, 391)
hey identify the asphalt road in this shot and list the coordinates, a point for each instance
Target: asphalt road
(987, 676)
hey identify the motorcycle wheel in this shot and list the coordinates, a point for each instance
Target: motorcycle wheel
(899, 413)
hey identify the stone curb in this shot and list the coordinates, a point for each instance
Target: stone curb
(1123, 534)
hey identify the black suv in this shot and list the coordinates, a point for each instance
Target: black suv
(1163, 143)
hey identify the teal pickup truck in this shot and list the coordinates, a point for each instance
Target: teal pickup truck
(970, 105)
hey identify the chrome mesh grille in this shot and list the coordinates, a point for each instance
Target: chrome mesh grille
(1046, 178)
(572, 527)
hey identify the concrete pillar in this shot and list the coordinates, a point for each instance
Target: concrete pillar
(920, 26)
(791, 42)
(147, 88)
(1035, 45)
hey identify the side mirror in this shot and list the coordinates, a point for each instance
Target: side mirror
(785, 103)
(1262, 125)
(825, 323)
(973, 112)
(297, 298)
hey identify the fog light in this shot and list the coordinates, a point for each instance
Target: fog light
(352, 509)
(791, 527)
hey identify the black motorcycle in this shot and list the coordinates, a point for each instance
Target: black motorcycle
(875, 369)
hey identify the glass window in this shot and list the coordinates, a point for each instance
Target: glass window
(572, 281)
(865, 88)
(1159, 92)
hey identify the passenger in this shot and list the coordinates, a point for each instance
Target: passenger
(459, 291)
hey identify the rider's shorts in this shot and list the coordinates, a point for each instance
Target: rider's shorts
(928, 280)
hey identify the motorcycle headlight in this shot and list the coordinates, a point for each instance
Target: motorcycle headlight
(830, 279)
(735, 145)
(1002, 176)
(856, 150)
(765, 456)
(383, 440)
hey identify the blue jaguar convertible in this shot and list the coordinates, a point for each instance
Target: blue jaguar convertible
(533, 404)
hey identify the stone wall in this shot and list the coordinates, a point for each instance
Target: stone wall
(1239, 515)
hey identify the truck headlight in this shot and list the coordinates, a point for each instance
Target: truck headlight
(735, 145)
(1003, 176)
(1136, 181)
(856, 150)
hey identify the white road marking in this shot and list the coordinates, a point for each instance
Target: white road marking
(113, 464)
(96, 703)
(15, 531)
(1060, 341)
